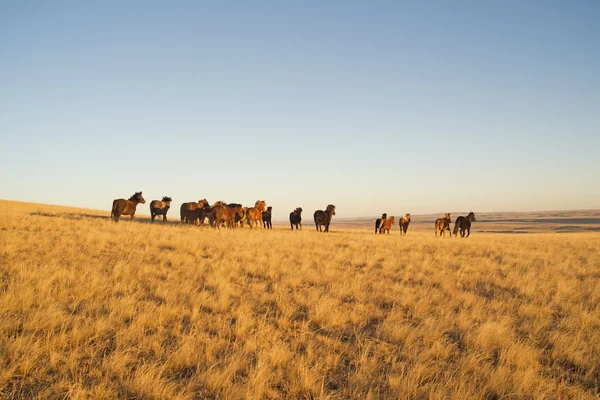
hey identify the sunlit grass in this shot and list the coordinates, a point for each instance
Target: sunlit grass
(94, 309)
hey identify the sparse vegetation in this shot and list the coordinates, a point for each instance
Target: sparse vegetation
(94, 309)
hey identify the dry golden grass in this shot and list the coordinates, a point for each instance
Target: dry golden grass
(94, 309)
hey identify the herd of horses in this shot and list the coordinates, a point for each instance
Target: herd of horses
(219, 214)
(462, 225)
(231, 215)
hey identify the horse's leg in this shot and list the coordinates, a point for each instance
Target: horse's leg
(164, 218)
(468, 231)
(152, 216)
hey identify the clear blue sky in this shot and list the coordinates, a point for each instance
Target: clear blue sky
(372, 106)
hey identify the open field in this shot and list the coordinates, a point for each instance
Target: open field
(94, 309)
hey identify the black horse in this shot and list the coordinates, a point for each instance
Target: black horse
(266, 216)
(323, 218)
(296, 218)
(464, 224)
(379, 222)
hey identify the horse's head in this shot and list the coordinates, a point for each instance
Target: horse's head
(331, 209)
(299, 210)
(384, 216)
(471, 216)
(392, 220)
(408, 217)
(260, 205)
(137, 197)
(269, 209)
(167, 200)
(448, 217)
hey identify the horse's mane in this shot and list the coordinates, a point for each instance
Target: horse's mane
(166, 199)
(135, 195)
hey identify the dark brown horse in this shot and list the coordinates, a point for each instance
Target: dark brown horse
(404, 221)
(323, 218)
(379, 222)
(160, 207)
(442, 225)
(254, 214)
(192, 212)
(464, 224)
(296, 218)
(266, 216)
(126, 207)
(387, 225)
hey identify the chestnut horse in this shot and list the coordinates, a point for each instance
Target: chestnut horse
(323, 218)
(379, 222)
(464, 224)
(387, 225)
(126, 207)
(240, 212)
(442, 225)
(254, 214)
(404, 221)
(221, 214)
(160, 207)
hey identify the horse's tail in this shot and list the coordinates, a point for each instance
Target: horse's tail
(456, 227)
(182, 213)
(113, 209)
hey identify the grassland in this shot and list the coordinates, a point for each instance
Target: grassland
(94, 309)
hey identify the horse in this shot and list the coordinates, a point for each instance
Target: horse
(404, 221)
(380, 221)
(191, 212)
(266, 216)
(464, 224)
(221, 214)
(387, 225)
(160, 207)
(323, 218)
(443, 225)
(240, 212)
(126, 207)
(296, 218)
(254, 214)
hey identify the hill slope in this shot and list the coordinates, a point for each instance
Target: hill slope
(90, 308)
